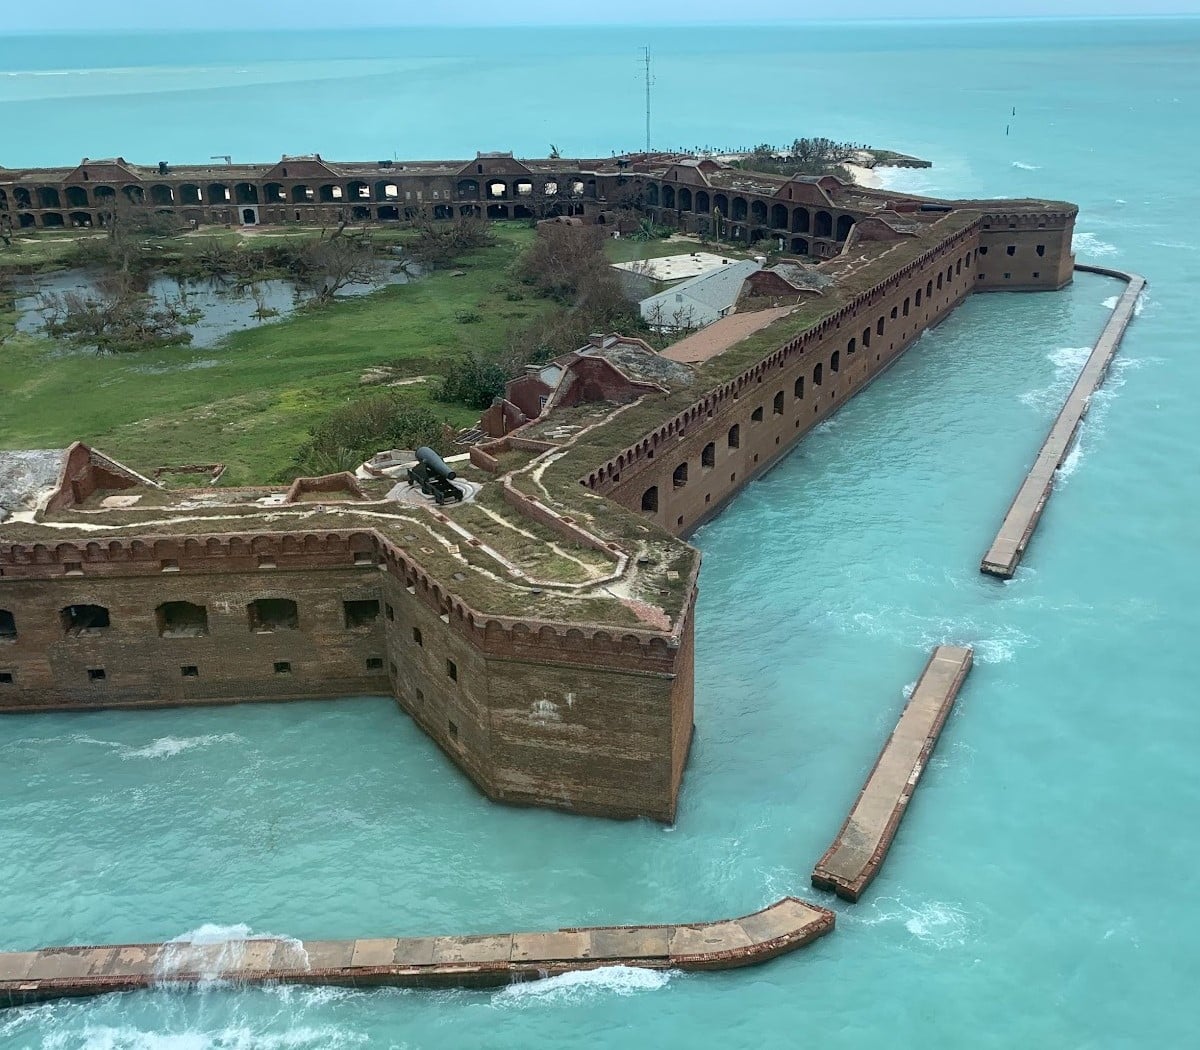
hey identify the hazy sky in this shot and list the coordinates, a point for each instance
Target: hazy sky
(300, 14)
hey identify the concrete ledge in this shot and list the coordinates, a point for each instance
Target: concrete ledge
(861, 846)
(1025, 511)
(465, 961)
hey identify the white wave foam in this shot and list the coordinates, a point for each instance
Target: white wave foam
(165, 747)
(1067, 361)
(213, 951)
(580, 984)
(233, 1037)
(1111, 302)
(1179, 245)
(1025, 167)
(1091, 245)
(935, 923)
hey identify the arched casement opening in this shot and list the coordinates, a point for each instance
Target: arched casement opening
(734, 438)
(679, 476)
(181, 620)
(851, 346)
(496, 189)
(84, 619)
(134, 194)
(272, 614)
(390, 213)
(82, 219)
(189, 193)
(8, 626)
(928, 289)
(302, 194)
(3, 200)
(835, 361)
(331, 193)
(708, 457)
(441, 211)
(844, 223)
(777, 404)
(468, 190)
(683, 199)
(758, 212)
(523, 188)
(77, 197)
(866, 338)
(799, 246)
(650, 500)
(497, 211)
(668, 196)
(360, 213)
(721, 204)
(703, 202)
(550, 189)
(22, 198)
(53, 219)
(523, 211)
(48, 197)
(160, 194)
(779, 217)
(218, 193)
(652, 198)
(274, 193)
(25, 220)
(358, 191)
(246, 193)
(822, 224)
(798, 388)
(800, 220)
(739, 209)
(816, 374)
(387, 191)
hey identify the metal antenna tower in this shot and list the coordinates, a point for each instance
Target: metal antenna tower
(649, 81)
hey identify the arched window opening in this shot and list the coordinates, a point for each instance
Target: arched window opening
(650, 500)
(757, 415)
(680, 477)
(851, 347)
(866, 338)
(181, 620)
(835, 361)
(273, 614)
(84, 619)
(708, 458)
(735, 436)
(777, 407)
(8, 626)
(798, 389)
(816, 375)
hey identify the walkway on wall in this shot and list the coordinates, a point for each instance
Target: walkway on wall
(1025, 511)
(861, 846)
(423, 962)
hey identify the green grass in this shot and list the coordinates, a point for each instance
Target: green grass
(250, 402)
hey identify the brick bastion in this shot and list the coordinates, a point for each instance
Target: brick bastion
(541, 633)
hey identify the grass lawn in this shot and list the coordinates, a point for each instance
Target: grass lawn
(251, 401)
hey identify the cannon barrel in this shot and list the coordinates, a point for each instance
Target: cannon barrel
(435, 463)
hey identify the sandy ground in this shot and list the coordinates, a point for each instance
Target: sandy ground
(721, 335)
(868, 177)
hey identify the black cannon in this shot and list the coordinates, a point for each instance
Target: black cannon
(434, 477)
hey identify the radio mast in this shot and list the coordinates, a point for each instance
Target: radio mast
(646, 59)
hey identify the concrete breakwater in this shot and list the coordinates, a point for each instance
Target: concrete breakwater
(1025, 511)
(862, 844)
(420, 962)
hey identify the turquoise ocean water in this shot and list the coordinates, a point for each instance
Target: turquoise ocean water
(1043, 890)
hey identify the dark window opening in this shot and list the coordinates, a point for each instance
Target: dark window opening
(757, 415)
(361, 613)
(1011, 249)
(190, 671)
(417, 636)
(73, 568)
(364, 558)
(1036, 274)
(917, 301)
(928, 289)
(895, 313)
(680, 477)
(96, 674)
(777, 407)
(735, 436)
(283, 667)
(650, 500)
(816, 375)
(8, 626)
(906, 306)
(453, 731)
(273, 614)
(6, 678)
(169, 565)
(266, 561)
(452, 670)
(835, 361)
(879, 327)
(1007, 276)
(1041, 249)
(181, 620)
(983, 249)
(84, 619)
(420, 695)
(708, 458)
(939, 282)
(798, 389)
(374, 663)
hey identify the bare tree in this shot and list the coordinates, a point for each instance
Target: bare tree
(333, 262)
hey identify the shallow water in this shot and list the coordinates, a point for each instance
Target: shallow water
(1042, 890)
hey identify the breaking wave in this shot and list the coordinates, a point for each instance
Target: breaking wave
(1067, 362)
(935, 923)
(163, 747)
(1025, 167)
(583, 984)
(1091, 245)
(212, 951)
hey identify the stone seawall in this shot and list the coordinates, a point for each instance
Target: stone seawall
(1025, 511)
